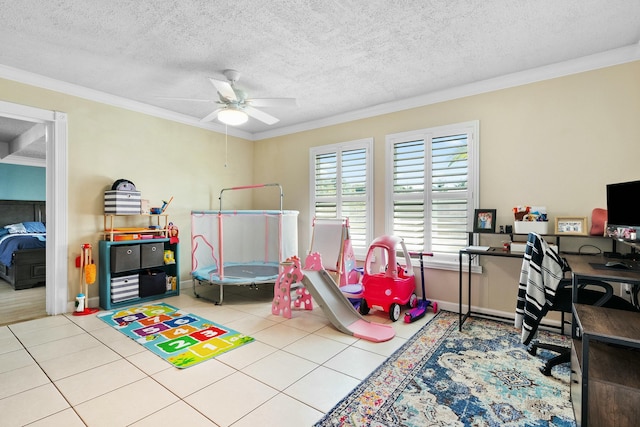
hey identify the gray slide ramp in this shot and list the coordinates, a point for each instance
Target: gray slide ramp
(339, 309)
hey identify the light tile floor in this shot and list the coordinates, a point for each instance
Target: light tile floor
(76, 370)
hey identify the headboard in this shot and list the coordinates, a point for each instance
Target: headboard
(14, 211)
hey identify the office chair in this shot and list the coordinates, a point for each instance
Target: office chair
(542, 268)
(591, 292)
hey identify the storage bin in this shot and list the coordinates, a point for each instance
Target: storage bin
(518, 246)
(526, 227)
(125, 258)
(124, 288)
(522, 246)
(118, 202)
(152, 283)
(151, 255)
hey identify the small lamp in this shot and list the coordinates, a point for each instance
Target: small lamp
(232, 116)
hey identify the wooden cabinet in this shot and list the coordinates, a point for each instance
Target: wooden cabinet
(605, 366)
(136, 271)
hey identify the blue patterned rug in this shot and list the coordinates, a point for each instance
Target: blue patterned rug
(482, 376)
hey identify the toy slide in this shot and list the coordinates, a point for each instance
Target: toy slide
(340, 311)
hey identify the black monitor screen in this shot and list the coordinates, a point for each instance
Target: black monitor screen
(622, 204)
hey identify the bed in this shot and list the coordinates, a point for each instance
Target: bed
(23, 246)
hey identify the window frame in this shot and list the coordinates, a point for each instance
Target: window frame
(339, 149)
(472, 130)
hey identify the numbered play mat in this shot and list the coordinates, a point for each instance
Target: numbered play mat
(183, 339)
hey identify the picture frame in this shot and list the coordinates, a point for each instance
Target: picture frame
(484, 221)
(571, 225)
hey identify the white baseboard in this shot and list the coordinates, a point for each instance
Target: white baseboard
(453, 306)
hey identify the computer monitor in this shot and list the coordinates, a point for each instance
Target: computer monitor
(622, 205)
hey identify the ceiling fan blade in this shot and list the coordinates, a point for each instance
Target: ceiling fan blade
(260, 115)
(211, 115)
(272, 102)
(224, 89)
(184, 99)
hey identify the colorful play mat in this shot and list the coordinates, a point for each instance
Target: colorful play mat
(183, 339)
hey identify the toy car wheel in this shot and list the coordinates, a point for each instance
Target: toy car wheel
(413, 301)
(394, 312)
(364, 307)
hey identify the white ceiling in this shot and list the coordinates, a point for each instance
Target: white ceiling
(341, 59)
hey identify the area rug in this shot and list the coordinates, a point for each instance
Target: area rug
(482, 376)
(183, 339)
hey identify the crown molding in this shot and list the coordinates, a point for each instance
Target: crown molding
(579, 65)
(43, 82)
(592, 62)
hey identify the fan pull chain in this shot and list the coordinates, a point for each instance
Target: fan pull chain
(225, 145)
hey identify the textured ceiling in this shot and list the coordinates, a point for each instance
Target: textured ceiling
(335, 57)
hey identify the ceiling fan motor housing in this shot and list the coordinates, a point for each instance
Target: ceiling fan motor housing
(232, 75)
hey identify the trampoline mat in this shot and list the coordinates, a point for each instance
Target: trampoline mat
(240, 273)
(249, 271)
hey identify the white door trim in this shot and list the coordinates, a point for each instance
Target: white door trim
(57, 289)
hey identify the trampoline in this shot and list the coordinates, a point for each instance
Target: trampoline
(241, 247)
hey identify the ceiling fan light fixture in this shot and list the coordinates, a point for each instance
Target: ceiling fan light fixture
(232, 116)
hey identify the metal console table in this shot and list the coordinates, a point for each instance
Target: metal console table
(471, 254)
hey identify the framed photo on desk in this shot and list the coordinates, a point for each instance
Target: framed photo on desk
(484, 221)
(571, 225)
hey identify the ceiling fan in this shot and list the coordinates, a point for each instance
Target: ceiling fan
(235, 105)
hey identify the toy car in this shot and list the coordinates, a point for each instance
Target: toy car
(392, 287)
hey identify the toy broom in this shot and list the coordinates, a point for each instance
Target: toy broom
(87, 277)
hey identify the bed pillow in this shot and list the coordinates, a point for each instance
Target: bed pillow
(18, 228)
(34, 227)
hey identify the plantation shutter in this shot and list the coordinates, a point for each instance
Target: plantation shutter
(326, 190)
(430, 193)
(408, 189)
(354, 192)
(341, 179)
(449, 193)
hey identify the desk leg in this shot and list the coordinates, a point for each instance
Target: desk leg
(574, 299)
(460, 291)
(461, 317)
(585, 381)
(468, 313)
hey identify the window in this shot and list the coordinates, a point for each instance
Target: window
(431, 183)
(341, 187)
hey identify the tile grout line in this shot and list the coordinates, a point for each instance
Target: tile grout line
(49, 378)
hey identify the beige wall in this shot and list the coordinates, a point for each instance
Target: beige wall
(555, 143)
(163, 159)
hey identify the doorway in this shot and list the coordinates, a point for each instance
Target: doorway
(55, 123)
